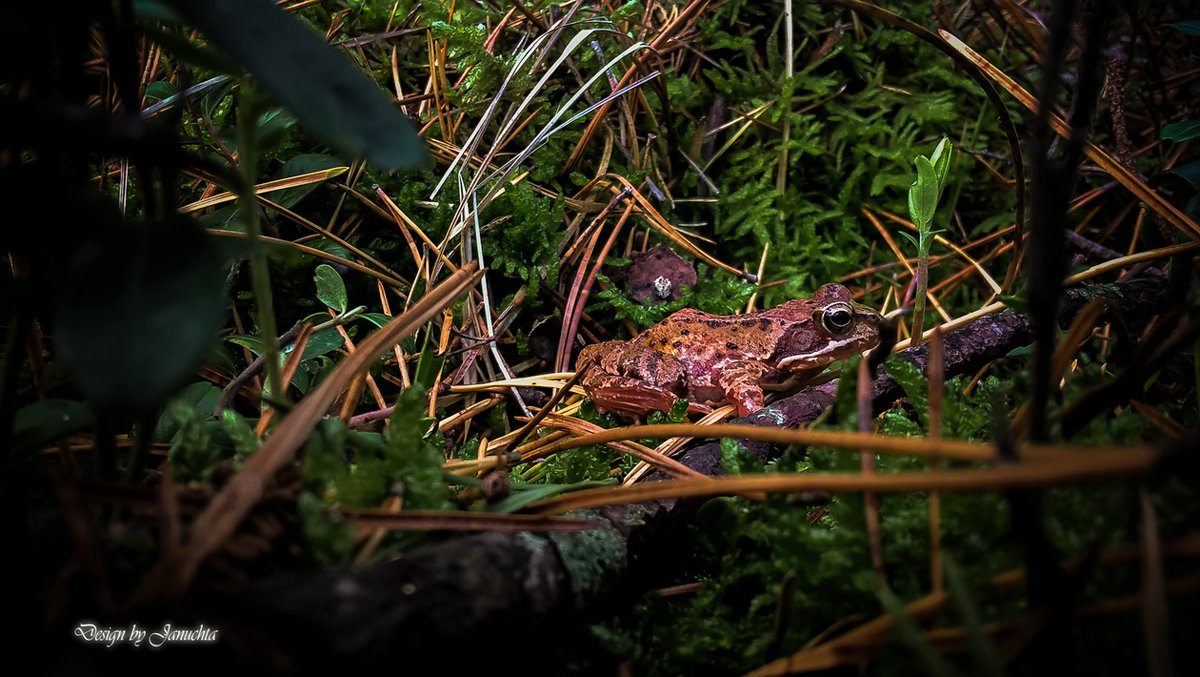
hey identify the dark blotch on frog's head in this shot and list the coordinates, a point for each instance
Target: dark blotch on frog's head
(797, 340)
(731, 346)
(674, 345)
(685, 332)
(713, 323)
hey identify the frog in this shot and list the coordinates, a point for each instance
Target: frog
(709, 359)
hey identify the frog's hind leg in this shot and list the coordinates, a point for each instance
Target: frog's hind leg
(628, 396)
(741, 383)
(630, 378)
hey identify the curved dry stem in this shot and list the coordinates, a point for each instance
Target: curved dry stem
(966, 451)
(1106, 162)
(1096, 464)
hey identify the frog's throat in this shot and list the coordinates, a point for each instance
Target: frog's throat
(827, 350)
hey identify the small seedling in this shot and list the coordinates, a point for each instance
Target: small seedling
(923, 197)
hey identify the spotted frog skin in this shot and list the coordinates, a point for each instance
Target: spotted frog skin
(714, 358)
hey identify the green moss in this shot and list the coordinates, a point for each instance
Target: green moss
(359, 470)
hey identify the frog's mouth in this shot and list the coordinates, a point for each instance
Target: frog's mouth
(821, 356)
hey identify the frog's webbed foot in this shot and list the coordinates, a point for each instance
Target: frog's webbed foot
(740, 382)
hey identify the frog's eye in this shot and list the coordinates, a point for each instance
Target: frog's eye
(837, 317)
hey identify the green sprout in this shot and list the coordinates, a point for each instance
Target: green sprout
(923, 197)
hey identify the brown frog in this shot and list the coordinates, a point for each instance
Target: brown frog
(713, 358)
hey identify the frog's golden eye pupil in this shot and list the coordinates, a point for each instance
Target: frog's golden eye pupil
(837, 317)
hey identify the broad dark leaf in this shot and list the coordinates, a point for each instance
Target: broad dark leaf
(39, 424)
(200, 397)
(1190, 172)
(139, 311)
(1181, 131)
(1191, 27)
(154, 10)
(325, 91)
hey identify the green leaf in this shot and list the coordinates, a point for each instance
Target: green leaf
(428, 367)
(322, 342)
(272, 128)
(216, 103)
(251, 342)
(1190, 173)
(1181, 131)
(200, 398)
(941, 162)
(330, 289)
(1020, 351)
(537, 492)
(1191, 27)
(1016, 302)
(302, 164)
(377, 319)
(154, 10)
(39, 424)
(160, 90)
(139, 311)
(326, 92)
(923, 194)
(330, 247)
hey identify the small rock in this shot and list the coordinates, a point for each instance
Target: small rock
(658, 275)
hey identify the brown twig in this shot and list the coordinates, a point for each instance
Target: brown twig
(1087, 466)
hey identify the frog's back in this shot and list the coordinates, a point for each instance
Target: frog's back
(705, 340)
(681, 332)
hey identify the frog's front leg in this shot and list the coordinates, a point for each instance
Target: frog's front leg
(741, 383)
(631, 379)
